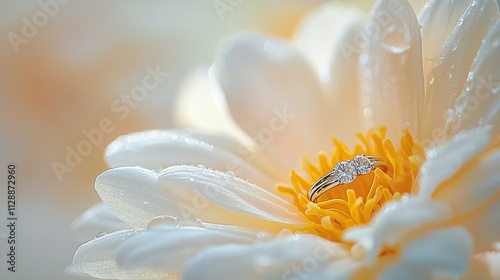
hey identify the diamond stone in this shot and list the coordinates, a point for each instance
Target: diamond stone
(345, 172)
(363, 164)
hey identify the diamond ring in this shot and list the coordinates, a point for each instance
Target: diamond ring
(344, 173)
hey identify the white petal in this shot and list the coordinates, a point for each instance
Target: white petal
(97, 258)
(133, 194)
(445, 160)
(391, 68)
(396, 220)
(136, 196)
(216, 193)
(99, 218)
(274, 96)
(440, 253)
(293, 257)
(198, 106)
(450, 71)
(479, 102)
(471, 188)
(169, 248)
(438, 19)
(157, 149)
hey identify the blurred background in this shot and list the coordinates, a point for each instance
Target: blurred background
(66, 70)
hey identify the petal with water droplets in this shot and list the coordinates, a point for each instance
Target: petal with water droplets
(450, 71)
(391, 68)
(479, 102)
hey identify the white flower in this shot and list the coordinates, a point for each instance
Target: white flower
(431, 215)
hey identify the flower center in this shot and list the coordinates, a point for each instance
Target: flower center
(360, 197)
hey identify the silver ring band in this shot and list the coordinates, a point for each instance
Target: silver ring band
(344, 173)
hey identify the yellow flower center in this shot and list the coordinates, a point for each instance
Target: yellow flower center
(355, 203)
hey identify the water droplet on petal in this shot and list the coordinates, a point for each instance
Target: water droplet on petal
(230, 173)
(285, 233)
(454, 46)
(162, 221)
(431, 80)
(100, 234)
(397, 38)
(197, 222)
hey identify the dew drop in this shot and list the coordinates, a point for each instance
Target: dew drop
(460, 21)
(454, 46)
(396, 38)
(431, 80)
(100, 234)
(162, 221)
(230, 173)
(285, 233)
(200, 167)
(198, 223)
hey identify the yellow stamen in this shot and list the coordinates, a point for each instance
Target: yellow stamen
(352, 204)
